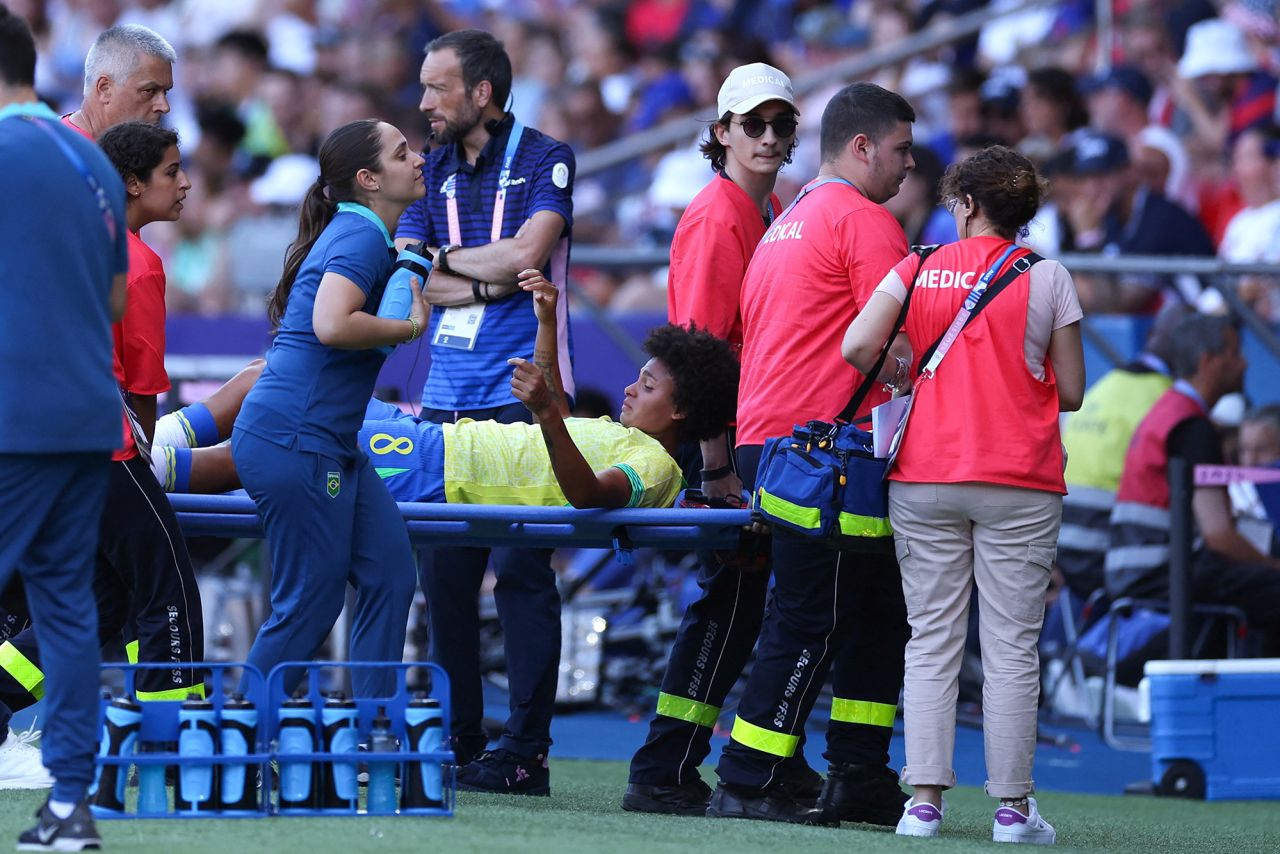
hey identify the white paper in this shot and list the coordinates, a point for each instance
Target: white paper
(886, 422)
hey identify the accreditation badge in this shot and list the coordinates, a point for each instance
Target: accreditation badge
(460, 326)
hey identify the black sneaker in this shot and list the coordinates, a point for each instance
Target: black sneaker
(775, 804)
(504, 772)
(467, 747)
(863, 793)
(76, 832)
(689, 798)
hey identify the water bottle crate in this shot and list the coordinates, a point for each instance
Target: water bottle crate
(291, 754)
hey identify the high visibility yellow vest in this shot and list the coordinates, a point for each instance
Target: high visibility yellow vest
(1098, 435)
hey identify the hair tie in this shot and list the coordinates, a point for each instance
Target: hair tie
(323, 186)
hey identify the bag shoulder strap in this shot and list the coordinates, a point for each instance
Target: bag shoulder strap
(1019, 266)
(864, 388)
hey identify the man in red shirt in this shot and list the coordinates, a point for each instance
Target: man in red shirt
(813, 271)
(717, 234)
(128, 74)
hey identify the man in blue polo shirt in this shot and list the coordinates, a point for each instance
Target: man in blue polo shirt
(60, 298)
(499, 200)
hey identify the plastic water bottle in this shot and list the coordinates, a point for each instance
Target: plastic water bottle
(397, 298)
(424, 731)
(119, 738)
(153, 797)
(197, 739)
(382, 767)
(341, 735)
(239, 737)
(297, 735)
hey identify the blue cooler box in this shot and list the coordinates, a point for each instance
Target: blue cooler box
(1213, 728)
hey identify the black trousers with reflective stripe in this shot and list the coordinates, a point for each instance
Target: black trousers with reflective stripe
(711, 649)
(143, 581)
(831, 611)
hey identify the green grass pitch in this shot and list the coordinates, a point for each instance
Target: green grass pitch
(583, 816)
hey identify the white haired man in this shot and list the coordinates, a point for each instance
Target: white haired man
(127, 77)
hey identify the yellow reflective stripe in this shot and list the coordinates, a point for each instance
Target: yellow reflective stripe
(131, 652)
(781, 508)
(863, 712)
(852, 525)
(171, 694)
(684, 709)
(26, 674)
(764, 740)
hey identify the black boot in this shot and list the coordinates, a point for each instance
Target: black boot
(776, 804)
(801, 782)
(863, 793)
(690, 798)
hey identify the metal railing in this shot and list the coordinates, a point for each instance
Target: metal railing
(1212, 272)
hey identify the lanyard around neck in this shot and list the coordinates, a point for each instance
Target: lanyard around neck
(1186, 388)
(100, 195)
(357, 208)
(499, 200)
(830, 179)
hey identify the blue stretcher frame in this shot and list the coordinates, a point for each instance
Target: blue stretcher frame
(236, 516)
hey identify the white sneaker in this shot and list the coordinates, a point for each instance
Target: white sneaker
(20, 764)
(1012, 826)
(920, 820)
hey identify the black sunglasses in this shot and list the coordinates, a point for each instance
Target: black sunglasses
(783, 126)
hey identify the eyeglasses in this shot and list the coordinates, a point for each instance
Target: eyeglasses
(783, 126)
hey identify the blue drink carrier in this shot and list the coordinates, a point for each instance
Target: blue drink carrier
(227, 763)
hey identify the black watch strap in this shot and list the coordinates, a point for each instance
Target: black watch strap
(442, 257)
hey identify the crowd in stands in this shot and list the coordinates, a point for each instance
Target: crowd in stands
(1171, 149)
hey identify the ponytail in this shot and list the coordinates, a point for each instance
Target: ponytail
(347, 150)
(316, 213)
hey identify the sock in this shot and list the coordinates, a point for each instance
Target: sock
(172, 467)
(61, 809)
(199, 424)
(181, 469)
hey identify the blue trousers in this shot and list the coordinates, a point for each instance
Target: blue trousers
(528, 609)
(49, 510)
(329, 522)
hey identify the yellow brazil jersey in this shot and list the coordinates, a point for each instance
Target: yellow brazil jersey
(490, 463)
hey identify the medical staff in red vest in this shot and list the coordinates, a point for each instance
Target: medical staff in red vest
(1226, 568)
(975, 493)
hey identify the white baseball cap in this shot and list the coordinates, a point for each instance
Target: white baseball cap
(749, 86)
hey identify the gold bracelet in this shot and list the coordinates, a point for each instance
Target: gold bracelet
(416, 331)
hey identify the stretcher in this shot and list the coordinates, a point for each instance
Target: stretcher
(236, 516)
